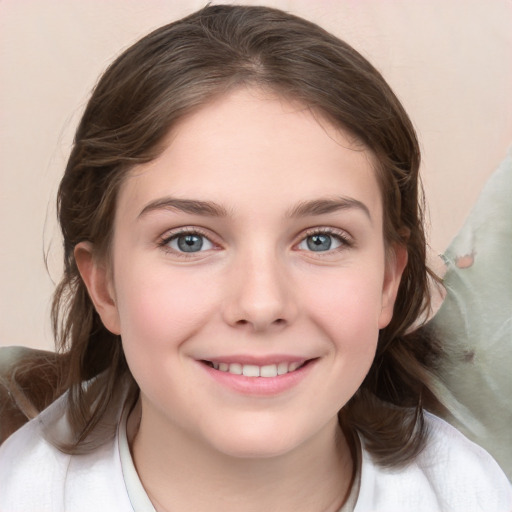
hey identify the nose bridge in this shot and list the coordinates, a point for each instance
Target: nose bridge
(260, 289)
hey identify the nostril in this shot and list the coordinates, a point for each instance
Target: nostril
(278, 322)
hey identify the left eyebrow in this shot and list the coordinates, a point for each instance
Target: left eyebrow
(193, 206)
(328, 205)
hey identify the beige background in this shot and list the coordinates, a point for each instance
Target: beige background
(448, 60)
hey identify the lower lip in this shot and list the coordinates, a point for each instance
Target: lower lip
(259, 386)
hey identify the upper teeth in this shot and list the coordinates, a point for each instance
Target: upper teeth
(252, 370)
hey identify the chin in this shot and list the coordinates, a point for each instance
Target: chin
(255, 448)
(259, 440)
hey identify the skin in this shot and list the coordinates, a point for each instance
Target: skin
(255, 289)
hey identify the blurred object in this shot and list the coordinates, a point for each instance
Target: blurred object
(475, 321)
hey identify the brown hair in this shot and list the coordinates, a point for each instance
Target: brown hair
(175, 70)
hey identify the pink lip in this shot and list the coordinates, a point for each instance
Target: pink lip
(259, 386)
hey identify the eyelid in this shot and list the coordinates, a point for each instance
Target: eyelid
(171, 234)
(343, 236)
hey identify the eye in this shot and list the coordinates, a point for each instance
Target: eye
(188, 242)
(322, 241)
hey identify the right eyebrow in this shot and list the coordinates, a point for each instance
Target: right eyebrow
(193, 206)
(328, 205)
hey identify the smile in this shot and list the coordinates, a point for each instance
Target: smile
(263, 377)
(252, 370)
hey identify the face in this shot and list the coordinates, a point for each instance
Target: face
(249, 276)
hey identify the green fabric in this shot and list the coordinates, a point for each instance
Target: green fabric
(475, 321)
(9, 356)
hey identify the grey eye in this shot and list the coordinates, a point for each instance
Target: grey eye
(190, 242)
(320, 242)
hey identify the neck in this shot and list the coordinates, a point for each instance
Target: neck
(179, 473)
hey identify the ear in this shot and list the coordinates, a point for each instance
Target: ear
(99, 284)
(396, 262)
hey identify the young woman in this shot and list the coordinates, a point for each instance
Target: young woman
(244, 266)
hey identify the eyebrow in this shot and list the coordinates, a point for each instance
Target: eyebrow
(193, 206)
(328, 205)
(212, 209)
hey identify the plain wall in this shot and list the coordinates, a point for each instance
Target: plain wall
(449, 61)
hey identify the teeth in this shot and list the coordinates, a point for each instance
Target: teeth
(252, 370)
(282, 368)
(235, 368)
(268, 371)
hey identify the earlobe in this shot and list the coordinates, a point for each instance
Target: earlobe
(97, 279)
(395, 265)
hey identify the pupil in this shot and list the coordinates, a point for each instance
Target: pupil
(190, 243)
(319, 242)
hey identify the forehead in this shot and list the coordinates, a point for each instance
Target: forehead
(251, 145)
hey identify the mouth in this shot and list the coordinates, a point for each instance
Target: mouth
(252, 370)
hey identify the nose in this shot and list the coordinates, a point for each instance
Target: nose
(260, 293)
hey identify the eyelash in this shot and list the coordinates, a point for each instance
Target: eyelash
(341, 236)
(169, 237)
(345, 240)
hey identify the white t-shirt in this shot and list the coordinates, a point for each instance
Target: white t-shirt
(451, 474)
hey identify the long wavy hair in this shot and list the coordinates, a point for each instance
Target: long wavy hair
(151, 86)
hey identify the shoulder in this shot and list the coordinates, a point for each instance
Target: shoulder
(451, 473)
(35, 475)
(31, 468)
(460, 467)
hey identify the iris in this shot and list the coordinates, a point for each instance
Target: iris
(319, 242)
(190, 243)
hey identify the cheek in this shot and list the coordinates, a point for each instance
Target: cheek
(347, 306)
(159, 307)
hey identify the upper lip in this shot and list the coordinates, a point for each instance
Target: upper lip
(257, 360)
